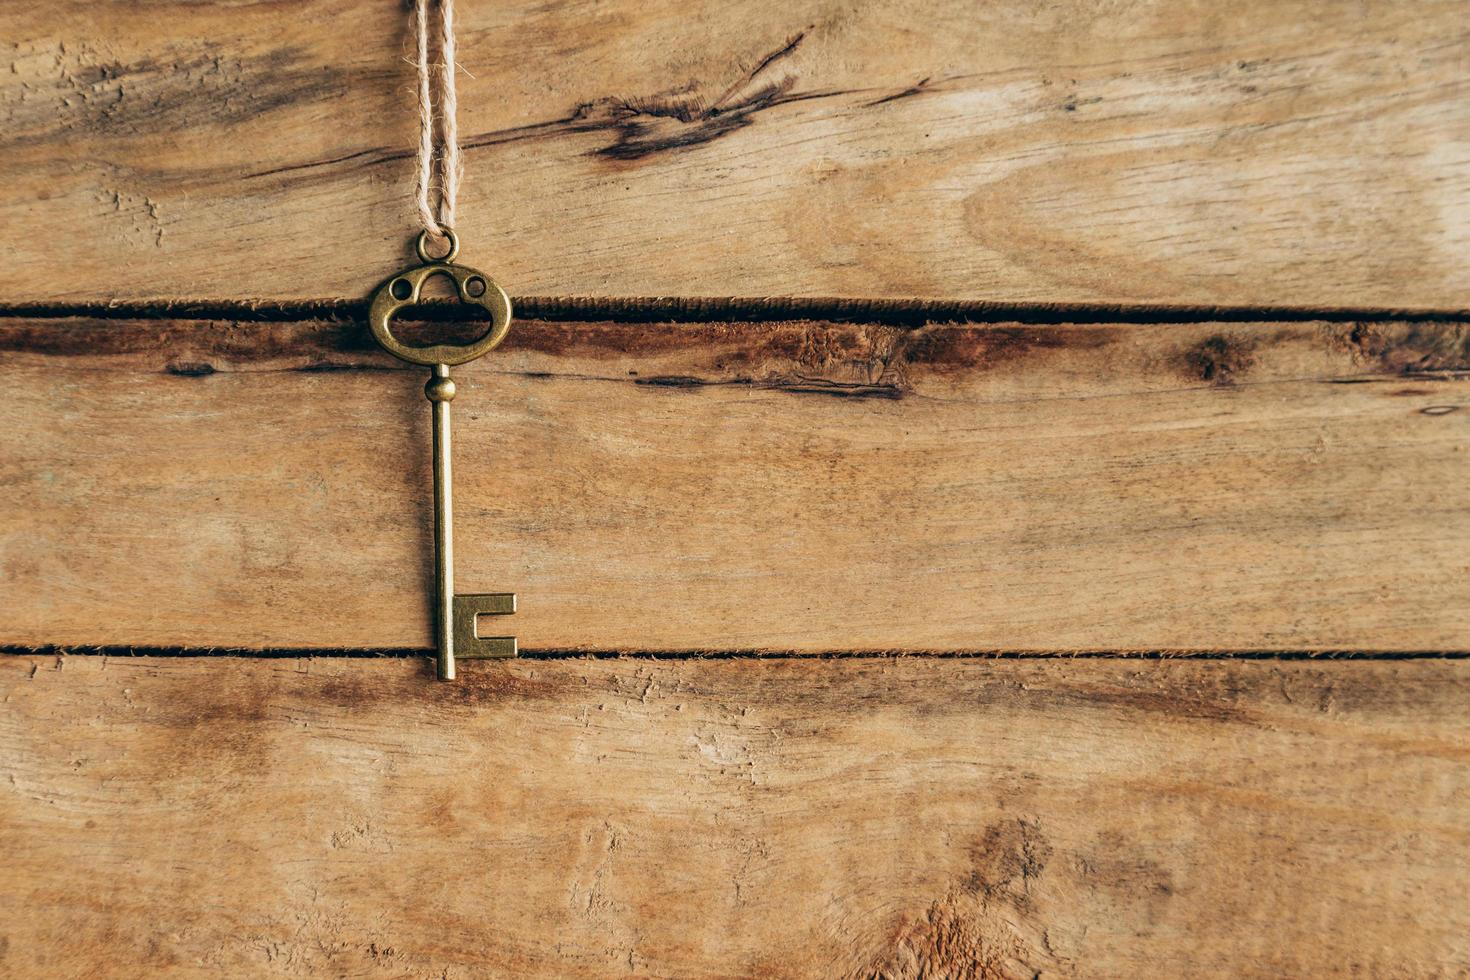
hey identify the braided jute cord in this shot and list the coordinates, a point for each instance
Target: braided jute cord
(436, 88)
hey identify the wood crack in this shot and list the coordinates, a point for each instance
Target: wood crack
(690, 309)
(640, 126)
(625, 653)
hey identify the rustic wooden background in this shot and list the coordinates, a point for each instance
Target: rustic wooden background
(986, 486)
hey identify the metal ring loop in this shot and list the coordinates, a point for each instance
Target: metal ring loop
(422, 247)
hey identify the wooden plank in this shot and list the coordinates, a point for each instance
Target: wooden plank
(863, 818)
(1308, 153)
(786, 486)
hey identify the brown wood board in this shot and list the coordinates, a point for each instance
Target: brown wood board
(896, 818)
(791, 486)
(1298, 154)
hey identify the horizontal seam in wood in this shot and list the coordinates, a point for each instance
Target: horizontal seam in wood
(376, 653)
(694, 309)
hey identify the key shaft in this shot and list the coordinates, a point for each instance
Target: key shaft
(440, 392)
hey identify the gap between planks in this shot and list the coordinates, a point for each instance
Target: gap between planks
(404, 653)
(737, 308)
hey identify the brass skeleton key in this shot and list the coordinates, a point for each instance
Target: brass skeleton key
(456, 617)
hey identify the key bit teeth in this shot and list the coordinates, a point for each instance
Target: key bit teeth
(468, 643)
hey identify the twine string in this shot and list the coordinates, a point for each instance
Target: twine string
(437, 164)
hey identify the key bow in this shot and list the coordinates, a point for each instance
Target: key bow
(474, 288)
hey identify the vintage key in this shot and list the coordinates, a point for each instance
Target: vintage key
(456, 617)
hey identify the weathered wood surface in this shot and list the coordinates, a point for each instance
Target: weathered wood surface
(793, 818)
(790, 486)
(1305, 153)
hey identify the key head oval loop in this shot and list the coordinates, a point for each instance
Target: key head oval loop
(475, 288)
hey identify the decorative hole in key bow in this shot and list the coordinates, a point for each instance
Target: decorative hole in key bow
(441, 316)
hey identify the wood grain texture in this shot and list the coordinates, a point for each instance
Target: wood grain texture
(789, 486)
(1306, 153)
(882, 818)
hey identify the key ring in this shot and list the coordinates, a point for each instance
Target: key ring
(474, 288)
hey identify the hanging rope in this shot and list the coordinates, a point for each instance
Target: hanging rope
(436, 88)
